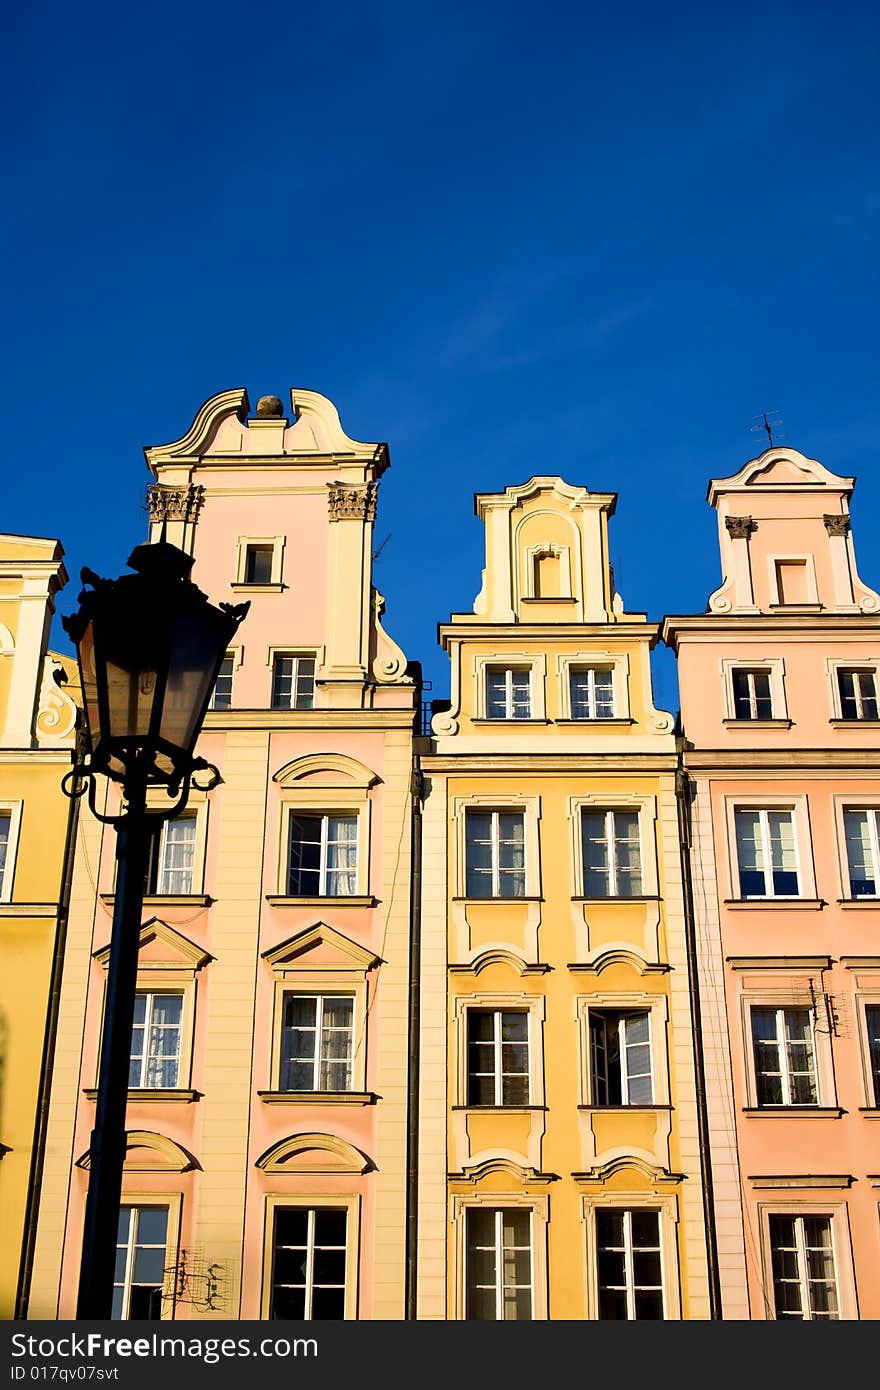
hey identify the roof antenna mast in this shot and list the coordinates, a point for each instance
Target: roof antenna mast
(770, 422)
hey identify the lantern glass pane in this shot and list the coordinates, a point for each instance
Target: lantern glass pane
(198, 644)
(88, 676)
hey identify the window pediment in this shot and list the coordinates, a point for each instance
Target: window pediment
(146, 1152)
(326, 770)
(323, 947)
(162, 948)
(313, 1153)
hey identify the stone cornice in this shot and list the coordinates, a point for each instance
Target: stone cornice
(725, 626)
(740, 762)
(618, 762)
(470, 630)
(218, 721)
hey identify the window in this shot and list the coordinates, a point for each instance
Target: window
(547, 574)
(862, 831)
(322, 856)
(611, 854)
(141, 1240)
(258, 564)
(317, 1035)
(5, 856)
(752, 697)
(872, 1025)
(620, 1057)
(495, 854)
(629, 1263)
(498, 1264)
(793, 582)
(309, 1259)
(591, 692)
(170, 857)
(858, 693)
(804, 1277)
(155, 1041)
(498, 1057)
(508, 692)
(293, 682)
(766, 853)
(221, 697)
(785, 1061)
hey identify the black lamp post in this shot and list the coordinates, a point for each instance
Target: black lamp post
(150, 646)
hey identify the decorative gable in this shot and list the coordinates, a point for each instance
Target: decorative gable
(162, 948)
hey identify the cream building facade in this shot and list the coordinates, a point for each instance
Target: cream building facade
(781, 754)
(558, 1114)
(269, 1086)
(37, 719)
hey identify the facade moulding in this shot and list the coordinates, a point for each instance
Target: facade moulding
(781, 761)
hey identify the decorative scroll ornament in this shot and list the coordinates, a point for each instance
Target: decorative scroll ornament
(740, 527)
(352, 503)
(390, 665)
(836, 525)
(56, 711)
(175, 503)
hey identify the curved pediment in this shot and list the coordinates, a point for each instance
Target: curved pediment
(203, 429)
(313, 1153)
(7, 641)
(782, 469)
(497, 1167)
(147, 1152)
(630, 1162)
(334, 770)
(318, 429)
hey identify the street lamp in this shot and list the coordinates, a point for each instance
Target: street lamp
(150, 646)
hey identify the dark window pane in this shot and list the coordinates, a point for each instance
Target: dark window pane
(289, 1304)
(612, 1304)
(152, 1225)
(290, 1265)
(258, 564)
(328, 1304)
(291, 1226)
(145, 1303)
(329, 1267)
(649, 1304)
(330, 1226)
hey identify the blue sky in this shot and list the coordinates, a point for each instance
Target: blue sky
(508, 239)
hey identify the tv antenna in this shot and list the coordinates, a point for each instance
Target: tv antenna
(770, 421)
(376, 553)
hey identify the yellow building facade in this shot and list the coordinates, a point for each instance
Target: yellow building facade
(559, 1140)
(37, 719)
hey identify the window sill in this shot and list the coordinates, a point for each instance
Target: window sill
(499, 1109)
(798, 904)
(625, 1109)
(523, 898)
(757, 723)
(556, 598)
(859, 902)
(167, 899)
(152, 1094)
(853, 723)
(612, 719)
(318, 1097)
(503, 719)
(346, 900)
(870, 1112)
(620, 898)
(257, 588)
(28, 909)
(796, 1112)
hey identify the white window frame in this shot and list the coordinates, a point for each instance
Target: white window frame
(809, 572)
(498, 1250)
(774, 667)
(538, 1206)
(347, 1201)
(842, 805)
(646, 809)
(495, 843)
(533, 662)
(291, 992)
(667, 1206)
(591, 701)
(150, 995)
(171, 1201)
(622, 1046)
(616, 662)
(532, 1004)
(656, 1006)
(498, 1073)
(838, 1214)
(771, 995)
(13, 810)
(798, 806)
(233, 654)
(508, 702)
(190, 816)
(833, 667)
(864, 1000)
(781, 1042)
(243, 544)
(344, 790)
(296, 654)
(324, 817)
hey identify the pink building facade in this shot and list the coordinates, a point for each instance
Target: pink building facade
(267, 1118)
(779, 688)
